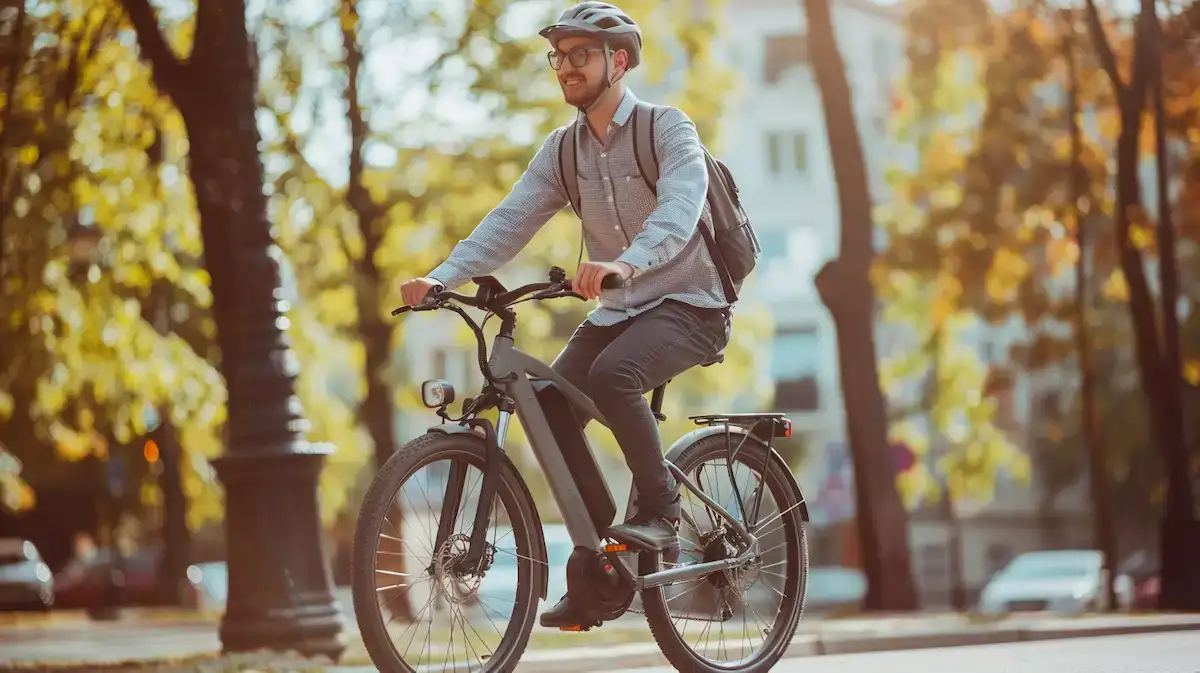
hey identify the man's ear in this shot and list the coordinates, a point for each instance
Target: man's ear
(620, 62)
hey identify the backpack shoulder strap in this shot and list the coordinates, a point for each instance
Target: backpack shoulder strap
(568, 165)
(643, 144)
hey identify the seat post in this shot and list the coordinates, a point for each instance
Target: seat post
(656, 401)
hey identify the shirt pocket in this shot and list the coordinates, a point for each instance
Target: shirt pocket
(634, 199)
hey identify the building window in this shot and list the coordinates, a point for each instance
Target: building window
(794, 359)
(882, 67)
(787, 152)
(783, 52)
(934, 567)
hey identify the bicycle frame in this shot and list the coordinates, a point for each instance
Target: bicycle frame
(512, 368)
(508, 371)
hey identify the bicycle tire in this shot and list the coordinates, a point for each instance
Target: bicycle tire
(654, 602)
(510, 490)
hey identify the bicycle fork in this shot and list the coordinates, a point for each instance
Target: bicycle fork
(456, 482)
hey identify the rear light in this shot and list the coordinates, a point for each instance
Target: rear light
(783, 427)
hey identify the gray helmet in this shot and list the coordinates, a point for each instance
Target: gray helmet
(602, 20)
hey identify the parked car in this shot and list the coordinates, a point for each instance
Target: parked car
(1056, 581)
(86, 582)
(1142, 568)
(25, 580)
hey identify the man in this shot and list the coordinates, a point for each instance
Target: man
(671, 313)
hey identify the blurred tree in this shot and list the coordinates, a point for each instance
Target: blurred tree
(82, 139)
(999, 221)
(1157, 348)
(845, 287)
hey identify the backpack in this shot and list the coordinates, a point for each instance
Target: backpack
(732, 244)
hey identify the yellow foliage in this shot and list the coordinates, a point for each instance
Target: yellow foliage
(1115, 288)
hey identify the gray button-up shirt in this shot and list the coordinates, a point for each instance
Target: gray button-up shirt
(622, 219)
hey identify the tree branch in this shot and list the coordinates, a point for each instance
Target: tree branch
(1108, 59)
(168, 71)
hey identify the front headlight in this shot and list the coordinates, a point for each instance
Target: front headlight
(437, 393)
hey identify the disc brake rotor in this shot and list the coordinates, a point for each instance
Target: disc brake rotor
(460, 585)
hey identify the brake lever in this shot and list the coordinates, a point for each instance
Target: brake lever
(426, 305)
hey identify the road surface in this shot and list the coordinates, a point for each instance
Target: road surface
(1149, 653)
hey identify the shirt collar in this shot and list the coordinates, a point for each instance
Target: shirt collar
(625, 107)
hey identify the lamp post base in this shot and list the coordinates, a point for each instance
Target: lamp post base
(1179, 554)
(280, 590)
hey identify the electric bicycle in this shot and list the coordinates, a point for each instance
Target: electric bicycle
(449, 528)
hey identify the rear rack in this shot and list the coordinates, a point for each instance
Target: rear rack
(764, 427)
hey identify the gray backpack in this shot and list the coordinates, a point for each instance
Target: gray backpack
(732, 244)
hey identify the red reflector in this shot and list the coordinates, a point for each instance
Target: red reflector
(787, 428)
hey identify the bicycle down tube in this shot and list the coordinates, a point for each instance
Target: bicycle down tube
(513, 366)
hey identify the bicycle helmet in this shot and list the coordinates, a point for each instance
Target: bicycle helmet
(602, 20)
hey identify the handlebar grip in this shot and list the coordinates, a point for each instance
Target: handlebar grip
(402, 309)
(612, 282)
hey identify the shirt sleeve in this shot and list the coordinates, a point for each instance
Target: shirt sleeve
(508, 228)
(682, 189)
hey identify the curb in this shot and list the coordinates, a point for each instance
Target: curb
(646, 655)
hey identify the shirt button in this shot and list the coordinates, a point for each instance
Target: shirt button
(617, 228)
(606, 177)
(604, 155)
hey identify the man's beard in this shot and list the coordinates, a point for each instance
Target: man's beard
(582, 95)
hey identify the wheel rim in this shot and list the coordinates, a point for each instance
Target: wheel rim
(462, 618)
(733, 619)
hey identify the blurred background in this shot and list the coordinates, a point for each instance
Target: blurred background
(1005, 241)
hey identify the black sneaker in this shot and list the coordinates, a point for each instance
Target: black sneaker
(563, 614)
(654, 529)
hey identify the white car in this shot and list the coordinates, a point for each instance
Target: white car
(25, 580)
(1054, 581)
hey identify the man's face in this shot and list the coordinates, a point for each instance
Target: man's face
(582, 85)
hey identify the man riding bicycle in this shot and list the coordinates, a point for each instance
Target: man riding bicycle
(671, 314)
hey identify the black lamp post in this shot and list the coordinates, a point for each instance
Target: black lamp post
(280, 588)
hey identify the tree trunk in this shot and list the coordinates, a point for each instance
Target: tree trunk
(1159, 383)
(1104, 534)
(177, 537)
(1180, 551)
(845, 287)
(376, 335)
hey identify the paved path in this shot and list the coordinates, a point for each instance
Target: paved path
(1149, 653)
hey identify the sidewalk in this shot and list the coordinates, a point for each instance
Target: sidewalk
(178, 645)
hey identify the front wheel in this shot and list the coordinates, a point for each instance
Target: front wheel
(742, 619)
(418, 605)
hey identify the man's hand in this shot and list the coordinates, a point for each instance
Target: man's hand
(415, 290)
(590, 274)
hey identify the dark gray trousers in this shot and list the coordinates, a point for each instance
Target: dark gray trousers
(617, 365)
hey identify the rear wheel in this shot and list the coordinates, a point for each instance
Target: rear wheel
(742, 619)
(416, 604)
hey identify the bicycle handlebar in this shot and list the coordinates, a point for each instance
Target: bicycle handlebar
(552, 289)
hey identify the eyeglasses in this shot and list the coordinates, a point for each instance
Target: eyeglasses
(577, 55)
